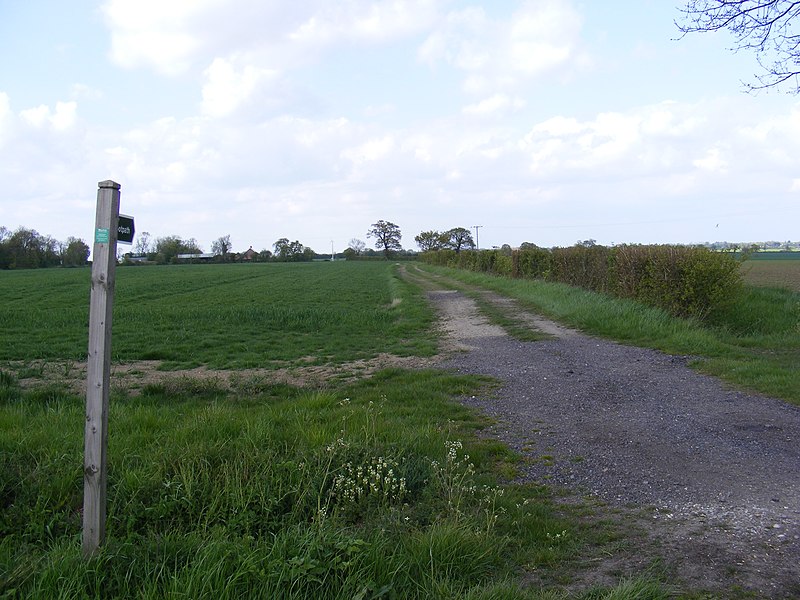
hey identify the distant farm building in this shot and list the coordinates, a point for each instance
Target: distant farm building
(201, 257)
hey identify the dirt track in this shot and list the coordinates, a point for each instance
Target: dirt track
(709, 476)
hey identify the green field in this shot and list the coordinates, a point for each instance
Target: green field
(252, 486)
(222, 316)
(773, 269)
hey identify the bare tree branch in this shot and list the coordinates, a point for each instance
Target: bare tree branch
(766, 27)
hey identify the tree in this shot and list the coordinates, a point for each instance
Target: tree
(387, 237)
(75, 254)
(24, 248)
(142, 246)
(287, 251)
(458, 238)
(765, 27)
(358, 246)
(167, 248)
(429, 240)
(281, 248)
(28, 249)
(50, 252)
(221, 246)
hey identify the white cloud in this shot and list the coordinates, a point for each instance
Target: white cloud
(81, 91)
(494, 104)
(776, 129)
(712, 161)
(6, 119)
(559, 126)
(63, 118)
(371, 150)
(565, 143)
(365, 21)
(155, 33)
(65, 115)
(37, 116)
(666, 119)
(175, 36)
(542, 36)
(456, 39)
(641, 141)
(229, 86)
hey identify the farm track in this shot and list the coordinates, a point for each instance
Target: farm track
(706, 479)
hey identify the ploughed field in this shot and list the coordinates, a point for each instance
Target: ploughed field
(778, 269)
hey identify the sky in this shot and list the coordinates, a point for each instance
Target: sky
(542, 121)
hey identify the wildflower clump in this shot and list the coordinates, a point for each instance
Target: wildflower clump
(376, 482)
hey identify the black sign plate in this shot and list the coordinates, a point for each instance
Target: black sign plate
(125, 230)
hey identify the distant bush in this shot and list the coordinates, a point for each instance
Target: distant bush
(687, 281)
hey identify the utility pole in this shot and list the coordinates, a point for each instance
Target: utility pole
(477, 243)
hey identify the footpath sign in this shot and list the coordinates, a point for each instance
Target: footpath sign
(98, 369)
(125, 230)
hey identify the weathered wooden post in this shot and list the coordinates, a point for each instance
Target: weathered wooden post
(104, 257)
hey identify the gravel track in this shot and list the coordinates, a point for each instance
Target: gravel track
(711, 474)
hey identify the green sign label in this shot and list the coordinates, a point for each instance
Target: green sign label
(100, 236)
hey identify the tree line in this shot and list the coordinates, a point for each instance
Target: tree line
(28, 249)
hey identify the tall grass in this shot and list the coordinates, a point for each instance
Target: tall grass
(218, 496)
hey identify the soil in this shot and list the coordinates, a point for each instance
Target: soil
(704, 479)
(133, 376)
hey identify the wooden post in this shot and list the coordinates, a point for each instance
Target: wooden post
(104, 262)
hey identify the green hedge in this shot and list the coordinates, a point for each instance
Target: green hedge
(687, 281)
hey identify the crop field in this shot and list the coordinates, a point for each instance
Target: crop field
(773, 270)
(221, 316)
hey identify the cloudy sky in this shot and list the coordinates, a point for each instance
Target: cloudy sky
(548, 121)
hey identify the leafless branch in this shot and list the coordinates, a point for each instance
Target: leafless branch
(765, 27)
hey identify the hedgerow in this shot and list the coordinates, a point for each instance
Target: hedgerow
(686, 281)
